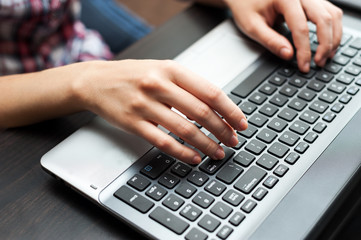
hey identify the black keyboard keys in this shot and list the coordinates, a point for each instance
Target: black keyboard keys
(250, 179)
(157, 166)
(169, 220)
(134, 199)
(211, 166)
(229, 173)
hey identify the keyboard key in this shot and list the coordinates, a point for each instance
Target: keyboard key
(324, 76)
(316, 86)
(168, 180)
(337, 107)
(244, 158)
(270, 182)
(257, 98)
(173, 202)
(209, 223)
(307, 95)
(342, 60)
(224, 232)
(281, 170)
(329, 116)
(279, 150)
(299, 127)
(229, 173)
(249, 132)
(157, 166)
(336, 87)
(311, 137)
(279, 100)
(289, 138)
(203, 200)
(211, 166)
(288, 91)
(241, 142)
(255, 147)
(237, 218)
(266, 135)
(133, 199)
(267, 89)
(221, 210)
(353, 90)
(138, 182)
(333, 68)
(309, 116)
(297, 81)
(319, 127)
(266, 161)
(297, 104)
(169, 220)
(249, 205)
(156, 192)
(345, 98)
(254, 79)
(214, 187)
(180, 169)
(190, 212)
(195, 234)
(353, 70)
(260, 193)
(250, 179)
(185, 190)
(248, 108)
(319, 106)
(328, 96)
(233, 197)
(301, 147)
(198, 178)
(287, 114)
(286, 71)
(356, 43)
(349, 52)
(277, 125)
(345, 78)
(277, 80)
(258, 120)
(292, 158)
(268, 110)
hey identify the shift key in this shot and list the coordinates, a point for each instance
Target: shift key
(250, 179)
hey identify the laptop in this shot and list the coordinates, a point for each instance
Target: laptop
(290, 172)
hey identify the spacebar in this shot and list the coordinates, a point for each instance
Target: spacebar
(255, 79)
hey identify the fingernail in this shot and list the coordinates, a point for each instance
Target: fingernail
(285, 52)
(196, 159)
(219, 153)
(234, 141)
(244, 124)
(306, 67)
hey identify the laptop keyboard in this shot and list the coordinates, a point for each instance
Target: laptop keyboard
(287, 111)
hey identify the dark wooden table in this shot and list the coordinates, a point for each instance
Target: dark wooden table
(35, 206)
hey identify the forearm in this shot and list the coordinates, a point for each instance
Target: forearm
(33, 97)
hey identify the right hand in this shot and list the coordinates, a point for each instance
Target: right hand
(137, 95)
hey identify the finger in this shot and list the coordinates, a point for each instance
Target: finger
(317, 13)
(261, 32)
(185, 130)
(166, 143)
(200, 112)
(336, 24)
(210, 95)
(297, 23)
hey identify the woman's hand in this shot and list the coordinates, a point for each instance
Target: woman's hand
(256, 18)
(137, 95)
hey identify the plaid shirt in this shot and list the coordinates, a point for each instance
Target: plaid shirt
(40, 34)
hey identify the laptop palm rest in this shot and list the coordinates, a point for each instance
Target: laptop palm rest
(314, 193)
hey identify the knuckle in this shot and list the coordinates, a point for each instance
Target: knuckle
(250, 28)
(203, 112)
(303, 29)
(137, 103)
(327, 18)
(214, 93)
(163, 143)
(150, 82)
(169, 65)
(186, 130)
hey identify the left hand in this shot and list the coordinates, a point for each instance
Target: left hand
(256, 18)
